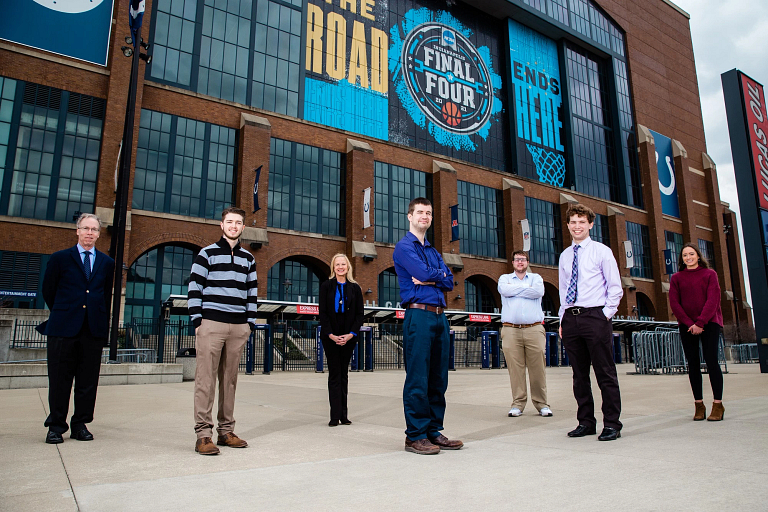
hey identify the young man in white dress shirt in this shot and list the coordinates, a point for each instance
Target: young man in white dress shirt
(590, 291)
(522, 336)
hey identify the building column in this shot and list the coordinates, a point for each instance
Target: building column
(360, 248)
(514, 210)
(617, 227)
(655, 221)
(445, 193)
(253, 151)
(716, 211)
(684, 191)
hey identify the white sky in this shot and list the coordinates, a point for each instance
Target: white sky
(726, 34)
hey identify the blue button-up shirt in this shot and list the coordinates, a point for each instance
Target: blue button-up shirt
(412, 259)
(521, 299)
(92, 250)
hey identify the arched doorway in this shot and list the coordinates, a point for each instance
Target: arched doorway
(479, 297)
(156, 274)
(389, 289)
(295, 280)
(645, 306)
(550, 302)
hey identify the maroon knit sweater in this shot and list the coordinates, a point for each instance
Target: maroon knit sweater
(695, 297)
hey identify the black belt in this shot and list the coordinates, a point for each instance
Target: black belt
(578, 311)
(426, 307)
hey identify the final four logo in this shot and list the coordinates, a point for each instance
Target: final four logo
(447, 78)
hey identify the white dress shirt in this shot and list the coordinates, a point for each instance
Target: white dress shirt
(599, 282)
(521, 298)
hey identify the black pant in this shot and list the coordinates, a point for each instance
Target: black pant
(710, 342)
(77, 358)
(338, 357)
(588, 340)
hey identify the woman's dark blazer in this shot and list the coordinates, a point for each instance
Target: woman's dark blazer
(338, 324)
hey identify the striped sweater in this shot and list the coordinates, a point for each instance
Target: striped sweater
(222, 285)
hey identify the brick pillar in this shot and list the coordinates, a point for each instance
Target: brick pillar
(716, 211)
(743, 313)
(684, 191)
(446, 194)
(253, 151)
(566, 201)
(514, 210)
(360, 241)
(617, 227)
(654, 219)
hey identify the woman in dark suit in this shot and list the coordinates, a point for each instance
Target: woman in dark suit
(694, 295)
(341, 316)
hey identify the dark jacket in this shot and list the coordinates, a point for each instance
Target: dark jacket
(69, 295)
(340, 323)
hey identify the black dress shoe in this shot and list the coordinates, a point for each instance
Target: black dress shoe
(346, 421)
(333, 423)
(54, 437)
(82, 435)
(609, 434)
(582, 430)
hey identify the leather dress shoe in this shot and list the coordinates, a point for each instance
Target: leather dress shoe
(82, 435)
(421, 446)
(345, 421)
(446, 444)
(582, 430)
(205, 446)
(54, 437)
(609, 434)
(333, 423)
(231, 440)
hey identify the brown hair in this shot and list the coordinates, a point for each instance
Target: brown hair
(232, 209)
(702, 260)
(419, 200)
(580, 211)
(522, 253)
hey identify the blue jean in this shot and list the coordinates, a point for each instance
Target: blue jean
(426, 343)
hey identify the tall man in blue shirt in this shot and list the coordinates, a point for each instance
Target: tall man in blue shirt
(423, 279)
(522, 336)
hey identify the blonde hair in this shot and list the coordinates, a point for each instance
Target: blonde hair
(349, 267)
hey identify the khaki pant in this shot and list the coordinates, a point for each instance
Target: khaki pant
(526, 348)
(219, 347)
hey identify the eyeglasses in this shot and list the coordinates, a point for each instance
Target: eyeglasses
(520, 259)
(91, 230)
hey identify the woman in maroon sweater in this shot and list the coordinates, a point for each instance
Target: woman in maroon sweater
(694, 295)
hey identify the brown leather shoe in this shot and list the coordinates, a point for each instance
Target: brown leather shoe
(717, 412)
(701, 411)
(446, 444)
(205, 446)
(421, 446)
(231, 440)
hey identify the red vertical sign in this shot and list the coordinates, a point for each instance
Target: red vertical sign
(757, 128)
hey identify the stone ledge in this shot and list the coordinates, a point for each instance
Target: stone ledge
(22, 376)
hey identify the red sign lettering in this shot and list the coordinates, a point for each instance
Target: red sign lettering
(480, 318)
(757, 123)
(305, 309)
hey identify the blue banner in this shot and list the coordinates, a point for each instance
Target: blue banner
(665, 163)
(256, 206)
(75, 28)
(454, 223)
(670, 269)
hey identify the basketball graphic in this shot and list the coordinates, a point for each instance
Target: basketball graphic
(451, 114)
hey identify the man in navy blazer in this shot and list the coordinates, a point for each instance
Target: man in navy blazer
(77, 289)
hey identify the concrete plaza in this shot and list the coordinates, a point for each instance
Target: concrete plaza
(143, 455)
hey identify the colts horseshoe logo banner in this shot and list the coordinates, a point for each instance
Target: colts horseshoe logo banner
(629, 254)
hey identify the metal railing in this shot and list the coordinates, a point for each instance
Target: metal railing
(745, 353)
(661, 352)
(25, 336)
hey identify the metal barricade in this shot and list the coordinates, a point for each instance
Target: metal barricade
(661, 352)
(744, 353)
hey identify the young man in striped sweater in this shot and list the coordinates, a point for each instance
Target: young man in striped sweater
(222, 307)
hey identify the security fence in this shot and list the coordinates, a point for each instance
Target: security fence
(661, 351)
(744, 353)
(25, 336)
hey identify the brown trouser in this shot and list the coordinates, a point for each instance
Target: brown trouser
(526, 348)
(219, 347)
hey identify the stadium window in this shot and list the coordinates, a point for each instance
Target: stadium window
(481, 220)
(546, 234)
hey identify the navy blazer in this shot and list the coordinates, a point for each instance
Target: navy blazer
(69, 295)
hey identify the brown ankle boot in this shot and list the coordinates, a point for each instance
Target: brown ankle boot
(717, 412)
(701, 411)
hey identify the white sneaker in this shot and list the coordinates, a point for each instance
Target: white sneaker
(514, 412)
(545, 411)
